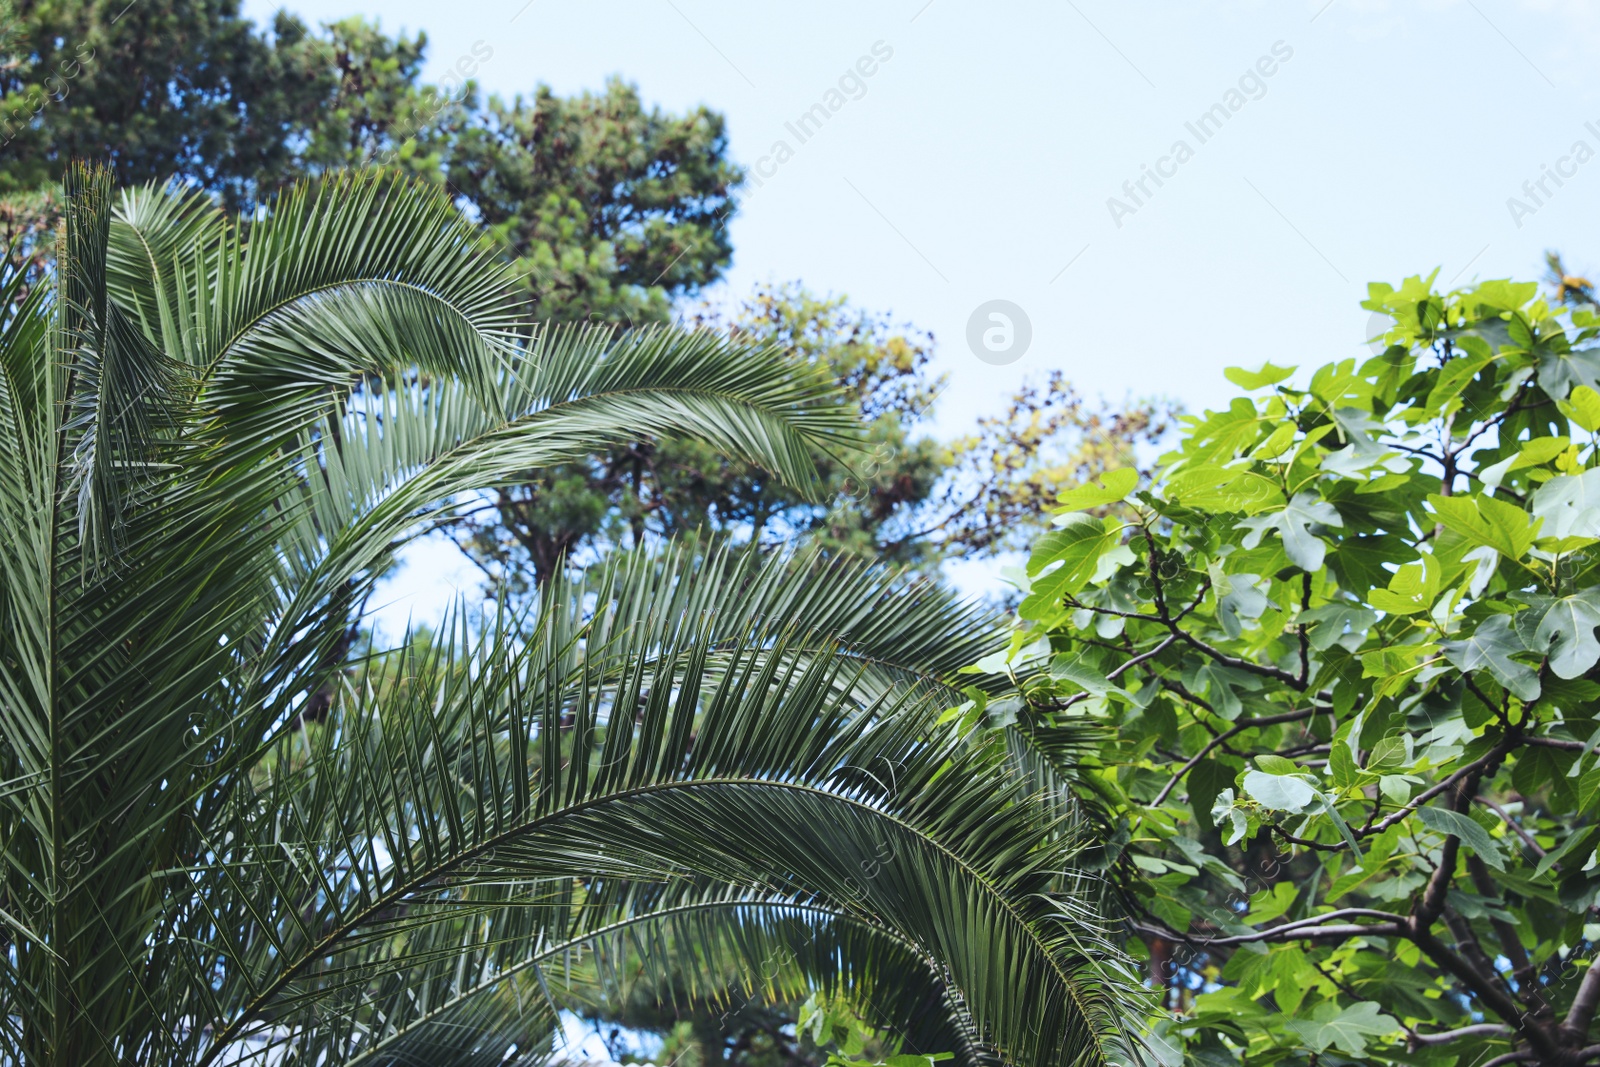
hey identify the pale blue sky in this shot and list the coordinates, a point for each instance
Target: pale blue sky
(978, 161)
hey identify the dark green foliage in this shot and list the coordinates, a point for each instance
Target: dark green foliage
(216, 437)
(154, 89)
(606, 208)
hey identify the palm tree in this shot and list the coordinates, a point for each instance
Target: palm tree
(219, 846)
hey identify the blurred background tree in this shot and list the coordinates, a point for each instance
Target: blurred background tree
(156, 89)
(613, 211)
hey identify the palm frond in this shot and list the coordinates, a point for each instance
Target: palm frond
(898, 627)
(216, 437)
(686, 945)
(776, 778)
(159, 237)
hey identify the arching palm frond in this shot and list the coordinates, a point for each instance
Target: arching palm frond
(722, 951)
(404, 449)
(157, 240)
(898, 627)
(530, 801)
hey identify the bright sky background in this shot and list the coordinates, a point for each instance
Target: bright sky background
(978, 162)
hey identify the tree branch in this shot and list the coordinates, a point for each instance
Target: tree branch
(1492, 996)
(1554, 742)
(1475, 1030)
(1377, 827)
(1305, 643)
(1511, 1057)
(1513, 825)
(1581, 1015)
(1470, 948)
(1522, 969)
(1212, 745)
(1486, 986)
(1140, 658)
(1490, 758)
(1275, 673)
(1164, 616)
(1431, 905)
(1298, 930)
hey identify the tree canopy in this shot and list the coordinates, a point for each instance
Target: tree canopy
(1342, 658)
(156, 89)
(595, 208)
(610, 209)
